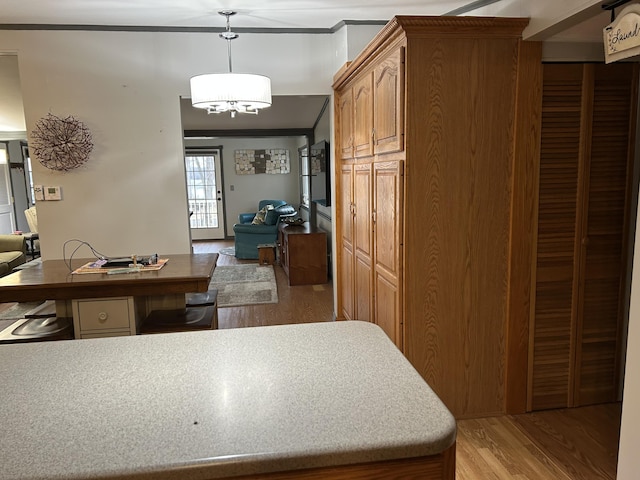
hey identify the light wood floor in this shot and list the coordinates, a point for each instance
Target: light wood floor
(298, 304)
(568, 444)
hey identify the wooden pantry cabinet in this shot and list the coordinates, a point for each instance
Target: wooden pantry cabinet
(435, 186)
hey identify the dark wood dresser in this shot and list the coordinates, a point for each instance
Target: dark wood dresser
(303, 253)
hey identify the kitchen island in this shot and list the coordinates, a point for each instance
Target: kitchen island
(307, 401)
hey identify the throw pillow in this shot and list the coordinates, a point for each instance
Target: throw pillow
(272, 216)
(261, 214)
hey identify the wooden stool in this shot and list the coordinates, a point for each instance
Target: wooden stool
(200, 313)
(181, 320)
(266, 254)
(46, 310)
(206, 299)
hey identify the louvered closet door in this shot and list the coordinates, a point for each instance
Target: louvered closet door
(552, 345)
(581, 266)
(603, 260)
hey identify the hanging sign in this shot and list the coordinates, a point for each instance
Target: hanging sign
(622, 36)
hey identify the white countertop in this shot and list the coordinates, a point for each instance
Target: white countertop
(211, 404)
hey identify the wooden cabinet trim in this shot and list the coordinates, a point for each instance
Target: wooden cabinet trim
(430, 27)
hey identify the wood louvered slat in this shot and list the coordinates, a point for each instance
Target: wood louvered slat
(582, 230)
(551, 362)
(603, 259)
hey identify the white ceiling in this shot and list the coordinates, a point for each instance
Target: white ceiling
(203, 13)
(277, 14)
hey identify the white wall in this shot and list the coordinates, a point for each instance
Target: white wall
(628, 460)
(125, 86)
(570, 52)
(547, 17)
(11, 113)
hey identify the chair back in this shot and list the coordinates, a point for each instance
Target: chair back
(32, 219)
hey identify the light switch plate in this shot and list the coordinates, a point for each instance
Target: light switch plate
(38, 192)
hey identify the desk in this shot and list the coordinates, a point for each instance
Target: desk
(337, 398)
(142, 292)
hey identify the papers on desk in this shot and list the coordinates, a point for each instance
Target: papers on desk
(97, 267)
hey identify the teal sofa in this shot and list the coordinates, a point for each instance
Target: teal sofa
(248, 235)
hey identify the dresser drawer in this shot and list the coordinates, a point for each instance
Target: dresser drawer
(104, 314)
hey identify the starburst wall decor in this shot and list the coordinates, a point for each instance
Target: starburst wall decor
(61, 144)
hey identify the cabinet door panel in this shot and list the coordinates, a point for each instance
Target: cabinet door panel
(388, 103)
(387, 216)
(346, 203)
(344, 107)
(363, 116)
(387, 241)
(363, 240)
(363, 297)
(346, 289)
(387, 308)
(346, 283)
(362, 201)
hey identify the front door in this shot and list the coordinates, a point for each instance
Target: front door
(204, 191)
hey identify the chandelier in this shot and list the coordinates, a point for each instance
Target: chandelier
(230, 92)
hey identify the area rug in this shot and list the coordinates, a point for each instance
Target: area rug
(248, 284)
(231, 251)
(18, 310)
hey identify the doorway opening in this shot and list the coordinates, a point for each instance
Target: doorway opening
(204, 194)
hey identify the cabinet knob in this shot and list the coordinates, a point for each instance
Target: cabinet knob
(102, 316)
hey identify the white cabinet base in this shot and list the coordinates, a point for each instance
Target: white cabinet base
(104, 317)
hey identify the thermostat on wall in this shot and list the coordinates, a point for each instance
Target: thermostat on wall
(52, 193)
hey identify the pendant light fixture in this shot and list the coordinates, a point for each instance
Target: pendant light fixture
(230, 92)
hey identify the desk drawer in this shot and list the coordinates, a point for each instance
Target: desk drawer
(104, 314)
(115, 333)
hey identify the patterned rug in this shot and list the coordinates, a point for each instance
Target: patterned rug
(248, 284)
(231, 251)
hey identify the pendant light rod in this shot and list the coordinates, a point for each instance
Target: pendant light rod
(228, 35)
